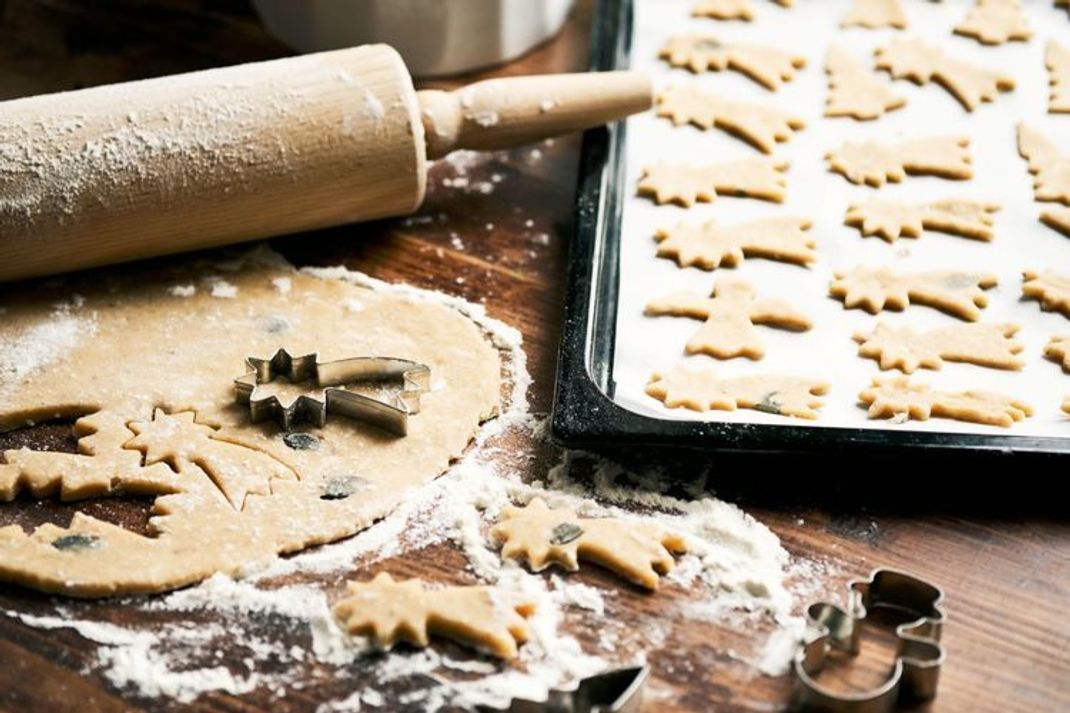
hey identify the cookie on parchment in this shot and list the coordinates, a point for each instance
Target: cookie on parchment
(921, 63)
(899, 398)
(702, 390)
(855, 91)
(874, 163)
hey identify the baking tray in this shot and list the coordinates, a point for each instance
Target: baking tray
(585, 414)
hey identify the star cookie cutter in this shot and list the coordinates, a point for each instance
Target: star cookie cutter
(616, 691)
(916, 672)
(391, 415)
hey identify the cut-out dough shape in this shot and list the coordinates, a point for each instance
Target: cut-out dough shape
(1057, 218)
(875, 13)
(768, 66)
(702, 390)
(709, 246)
(389, 611)
(874, 163)
(855, 91)
(149, 378)
(898, 397)
(730, 315)
(1050, 288)
(761, 126)
(542, 536)
(729, 9)
(993, 22)
(684, 184)
(874, 289)
(1066, 405)
(921, 63)
(902, 348)
(1057, 60)
(1050, 166)
(1058, 350)
(891, 221)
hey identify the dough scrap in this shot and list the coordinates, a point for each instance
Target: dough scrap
(769, 66)
(729, 9)
(684, 184)
(730, 315)
(389, 611)
(1050, 288)
(1049, 166)
(150, 383)
(897, 397)
(702, 390)
(902, 348)
(541, 536)
(1058, 350)
(876, 288)
(993, 22)
(873, 163)
(761, 126)
(921, 63)
(1057, 218)
(875, 13)
(1057, 60)
(890, 221)
(709, 246)
(854, 91)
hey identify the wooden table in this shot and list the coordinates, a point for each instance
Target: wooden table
(991, 534)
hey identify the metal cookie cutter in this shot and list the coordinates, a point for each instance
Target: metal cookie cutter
(916, 671)
(617, 691)
(391, 415)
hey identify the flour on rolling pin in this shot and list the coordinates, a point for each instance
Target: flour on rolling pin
(121, 172)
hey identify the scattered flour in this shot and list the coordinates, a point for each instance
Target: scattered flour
(182, 290)
(223, 289)
(283, 285)
(33, 349)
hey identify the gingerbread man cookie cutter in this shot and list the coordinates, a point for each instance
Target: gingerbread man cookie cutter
(916, 672)
(391, 414)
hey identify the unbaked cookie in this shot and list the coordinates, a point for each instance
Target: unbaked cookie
(1050, 288)
(855, 91)
(899, 398)
(1049, 166)
(1058, 350)
(729, 9)
(877, 288)
(769, 66)
(711, 245)
(969, 219)
(761, 126)
(874, 163)
(874, 14)
(682, 183)
(922, 63)
(993, 22)
(702, 390)
(1057, 218)
(902, 348)
(1057, 60)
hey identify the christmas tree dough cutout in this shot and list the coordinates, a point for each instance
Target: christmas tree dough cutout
(855, 91)
(729, 9)
(874, 163)
(989, 345)
(542, 536)
(922, 63)
(874, 289)
(702, 390)
(993, 22)
(769, 66)
(711, 245)
(873, 14)
(1050, 288)
(1057, 60)
(890, 221)
(730, 315)
(390, 611)
(1049, 166)
(899, 398)
(1057, 218)
(1058, 350)
(758, 177)
(761, 126)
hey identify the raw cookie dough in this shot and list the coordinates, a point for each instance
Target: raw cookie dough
(874, 14)
(709, 246)
(761, 126)
(1049, 165)
(873, 163)
(680, 183)
(876, 288)
(921, 63)
(1057, 218)
(540, 536)
(993, 22)
(854, 91)
(730, 315)
(890, 221)
(1057, 60)
(902, 348)
(1058, 350)
(150, 377)
(729, 9)
(1050, 288)
(703, 390)
(769, 66)
(897, 397)
(389, 611)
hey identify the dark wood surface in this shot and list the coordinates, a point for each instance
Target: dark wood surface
(991, 532)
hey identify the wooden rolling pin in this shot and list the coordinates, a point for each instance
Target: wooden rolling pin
(127, 171)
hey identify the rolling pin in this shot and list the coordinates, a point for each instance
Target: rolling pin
(126, 171)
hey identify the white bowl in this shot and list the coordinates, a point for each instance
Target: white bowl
(436, 37)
